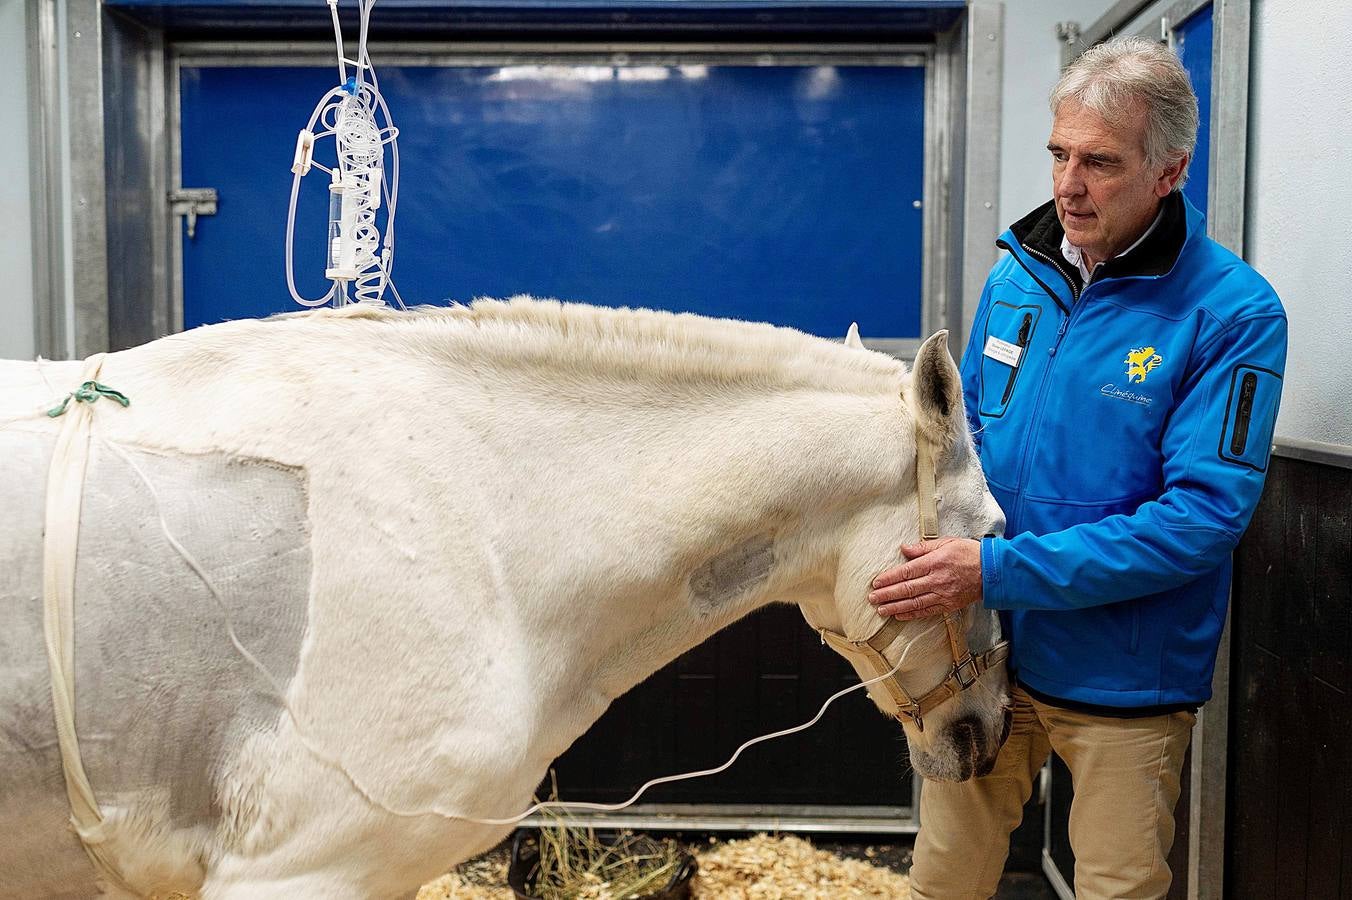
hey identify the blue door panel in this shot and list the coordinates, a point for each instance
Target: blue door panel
(1193, 39)
(783, 193)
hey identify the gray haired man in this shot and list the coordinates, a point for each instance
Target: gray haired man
(1121, 383)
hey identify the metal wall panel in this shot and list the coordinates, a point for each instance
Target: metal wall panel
(134, 122)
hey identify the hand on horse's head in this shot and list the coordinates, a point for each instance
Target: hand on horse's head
(939, 576)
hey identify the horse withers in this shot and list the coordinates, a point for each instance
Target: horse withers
(348, 581)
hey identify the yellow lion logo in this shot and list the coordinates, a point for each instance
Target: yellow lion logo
(1141, 362)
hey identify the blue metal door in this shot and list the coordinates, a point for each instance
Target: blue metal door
(789, 193)
(1193, 41)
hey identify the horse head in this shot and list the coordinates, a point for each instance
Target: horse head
(950, 690)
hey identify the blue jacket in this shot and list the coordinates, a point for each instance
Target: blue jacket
(1124, 427)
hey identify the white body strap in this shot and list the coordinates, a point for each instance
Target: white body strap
(60, 538)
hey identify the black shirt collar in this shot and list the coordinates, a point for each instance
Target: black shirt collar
(1041, 230)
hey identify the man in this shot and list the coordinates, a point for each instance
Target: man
(1121, 382)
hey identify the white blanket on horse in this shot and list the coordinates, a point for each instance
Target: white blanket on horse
(163, 697)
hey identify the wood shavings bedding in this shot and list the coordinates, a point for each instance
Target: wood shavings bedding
(481, 878)
(757, 868)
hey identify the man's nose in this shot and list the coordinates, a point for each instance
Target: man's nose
(1069, 182)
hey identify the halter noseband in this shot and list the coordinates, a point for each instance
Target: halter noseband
(967, 666)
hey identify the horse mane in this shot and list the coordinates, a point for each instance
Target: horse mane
(632, 343)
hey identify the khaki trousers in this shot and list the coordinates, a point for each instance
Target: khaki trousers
(1126, 778)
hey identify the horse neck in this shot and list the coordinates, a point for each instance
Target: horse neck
(753, 514)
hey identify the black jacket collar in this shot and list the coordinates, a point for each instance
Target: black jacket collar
(1041, 231)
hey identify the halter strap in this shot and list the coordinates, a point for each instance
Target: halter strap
(967, 667)
(872, 648)
(924, 487)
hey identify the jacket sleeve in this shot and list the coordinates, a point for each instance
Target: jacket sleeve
(1215, 449)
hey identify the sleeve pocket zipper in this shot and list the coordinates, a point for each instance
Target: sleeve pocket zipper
(1248, 387)
(1024, 330)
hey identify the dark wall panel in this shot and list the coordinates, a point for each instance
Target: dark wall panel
(1291, 714)
(766, 672)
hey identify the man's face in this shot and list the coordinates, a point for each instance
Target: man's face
(1106, 196)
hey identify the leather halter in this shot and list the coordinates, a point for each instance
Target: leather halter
(967, 666)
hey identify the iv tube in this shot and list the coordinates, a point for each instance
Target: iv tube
(352, 112)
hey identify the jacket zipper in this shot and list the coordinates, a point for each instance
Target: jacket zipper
(1046, 375)
(1248, 387)
(1070, 282)
(1023, 345)
(1004, 245)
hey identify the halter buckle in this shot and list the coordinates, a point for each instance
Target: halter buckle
(966, 672)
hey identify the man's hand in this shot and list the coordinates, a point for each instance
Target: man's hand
(940, 576)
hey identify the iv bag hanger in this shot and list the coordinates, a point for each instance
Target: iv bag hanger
(358, 260)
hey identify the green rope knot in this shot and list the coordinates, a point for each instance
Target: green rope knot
(88, 393)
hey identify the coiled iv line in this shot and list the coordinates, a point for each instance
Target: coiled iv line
(356, 254)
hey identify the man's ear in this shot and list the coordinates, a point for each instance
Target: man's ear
(1169, 179)
(852, 336)
(936, 389)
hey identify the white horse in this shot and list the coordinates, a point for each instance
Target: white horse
(348, 581)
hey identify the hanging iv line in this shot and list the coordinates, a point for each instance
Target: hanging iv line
(355, 253)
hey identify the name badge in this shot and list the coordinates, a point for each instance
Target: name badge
(1003, 351)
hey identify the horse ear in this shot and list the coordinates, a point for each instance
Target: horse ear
(936, 386)
(852, 336)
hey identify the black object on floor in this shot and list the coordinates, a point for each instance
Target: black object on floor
(522, 870)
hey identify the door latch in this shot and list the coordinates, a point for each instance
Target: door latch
(193, 202)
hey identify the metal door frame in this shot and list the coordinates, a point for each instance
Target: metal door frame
(65, 92)
(82, 308)
(1226, 197)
